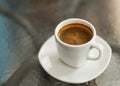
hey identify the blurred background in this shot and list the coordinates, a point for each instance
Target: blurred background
(35, 20)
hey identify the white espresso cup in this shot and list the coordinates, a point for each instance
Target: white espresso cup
(77, 55)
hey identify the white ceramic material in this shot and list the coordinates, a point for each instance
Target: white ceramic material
(51, 63)
(76, 55)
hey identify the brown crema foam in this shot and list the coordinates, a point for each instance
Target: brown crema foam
(75, 34)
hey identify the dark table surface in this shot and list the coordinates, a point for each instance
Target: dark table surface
(26, 24)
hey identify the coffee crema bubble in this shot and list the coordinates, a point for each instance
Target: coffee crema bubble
(75, 34)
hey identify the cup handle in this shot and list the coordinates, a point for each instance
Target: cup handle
(99, 47)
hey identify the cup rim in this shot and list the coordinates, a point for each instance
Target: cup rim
(75, 19)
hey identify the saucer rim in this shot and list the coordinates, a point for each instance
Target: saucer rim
(102, 70)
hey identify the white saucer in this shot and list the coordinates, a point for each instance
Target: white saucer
(50, 62)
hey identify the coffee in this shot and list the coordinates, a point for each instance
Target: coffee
(75, 34)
